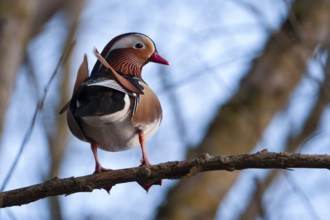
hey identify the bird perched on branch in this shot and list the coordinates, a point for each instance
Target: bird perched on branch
(113, 108)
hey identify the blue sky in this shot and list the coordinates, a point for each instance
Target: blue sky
(210, 45)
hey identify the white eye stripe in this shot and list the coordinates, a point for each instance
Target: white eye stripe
(131, 41)
(124, 42)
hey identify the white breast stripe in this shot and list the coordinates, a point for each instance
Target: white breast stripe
(112, 84)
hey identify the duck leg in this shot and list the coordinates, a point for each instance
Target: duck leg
(145, 162)
(144, 159)
(98, 166)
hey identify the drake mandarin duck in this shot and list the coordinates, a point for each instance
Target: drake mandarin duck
(113, 108)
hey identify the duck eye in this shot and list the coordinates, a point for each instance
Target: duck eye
(138, 45)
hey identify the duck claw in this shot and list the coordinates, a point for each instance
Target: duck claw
(100, 169)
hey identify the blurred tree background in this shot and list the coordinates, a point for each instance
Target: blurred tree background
(244, 76)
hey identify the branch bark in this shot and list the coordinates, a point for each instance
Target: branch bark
(169, 170)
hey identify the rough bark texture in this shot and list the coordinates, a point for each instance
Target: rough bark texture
(169, 170)
(240, 123)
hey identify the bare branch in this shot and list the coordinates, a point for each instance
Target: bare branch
(303, 197)
(169, 170)
(293, 143)
(241, 122)
(38, 108)
(20, 21)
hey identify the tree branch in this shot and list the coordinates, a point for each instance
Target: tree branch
(169, 170)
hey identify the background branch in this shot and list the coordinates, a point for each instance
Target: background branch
(294, 142)
(241, 122)
(169, 170)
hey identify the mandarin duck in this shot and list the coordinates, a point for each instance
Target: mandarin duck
(113, 108)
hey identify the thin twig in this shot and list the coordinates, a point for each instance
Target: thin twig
(38, 108)
(303, 197)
